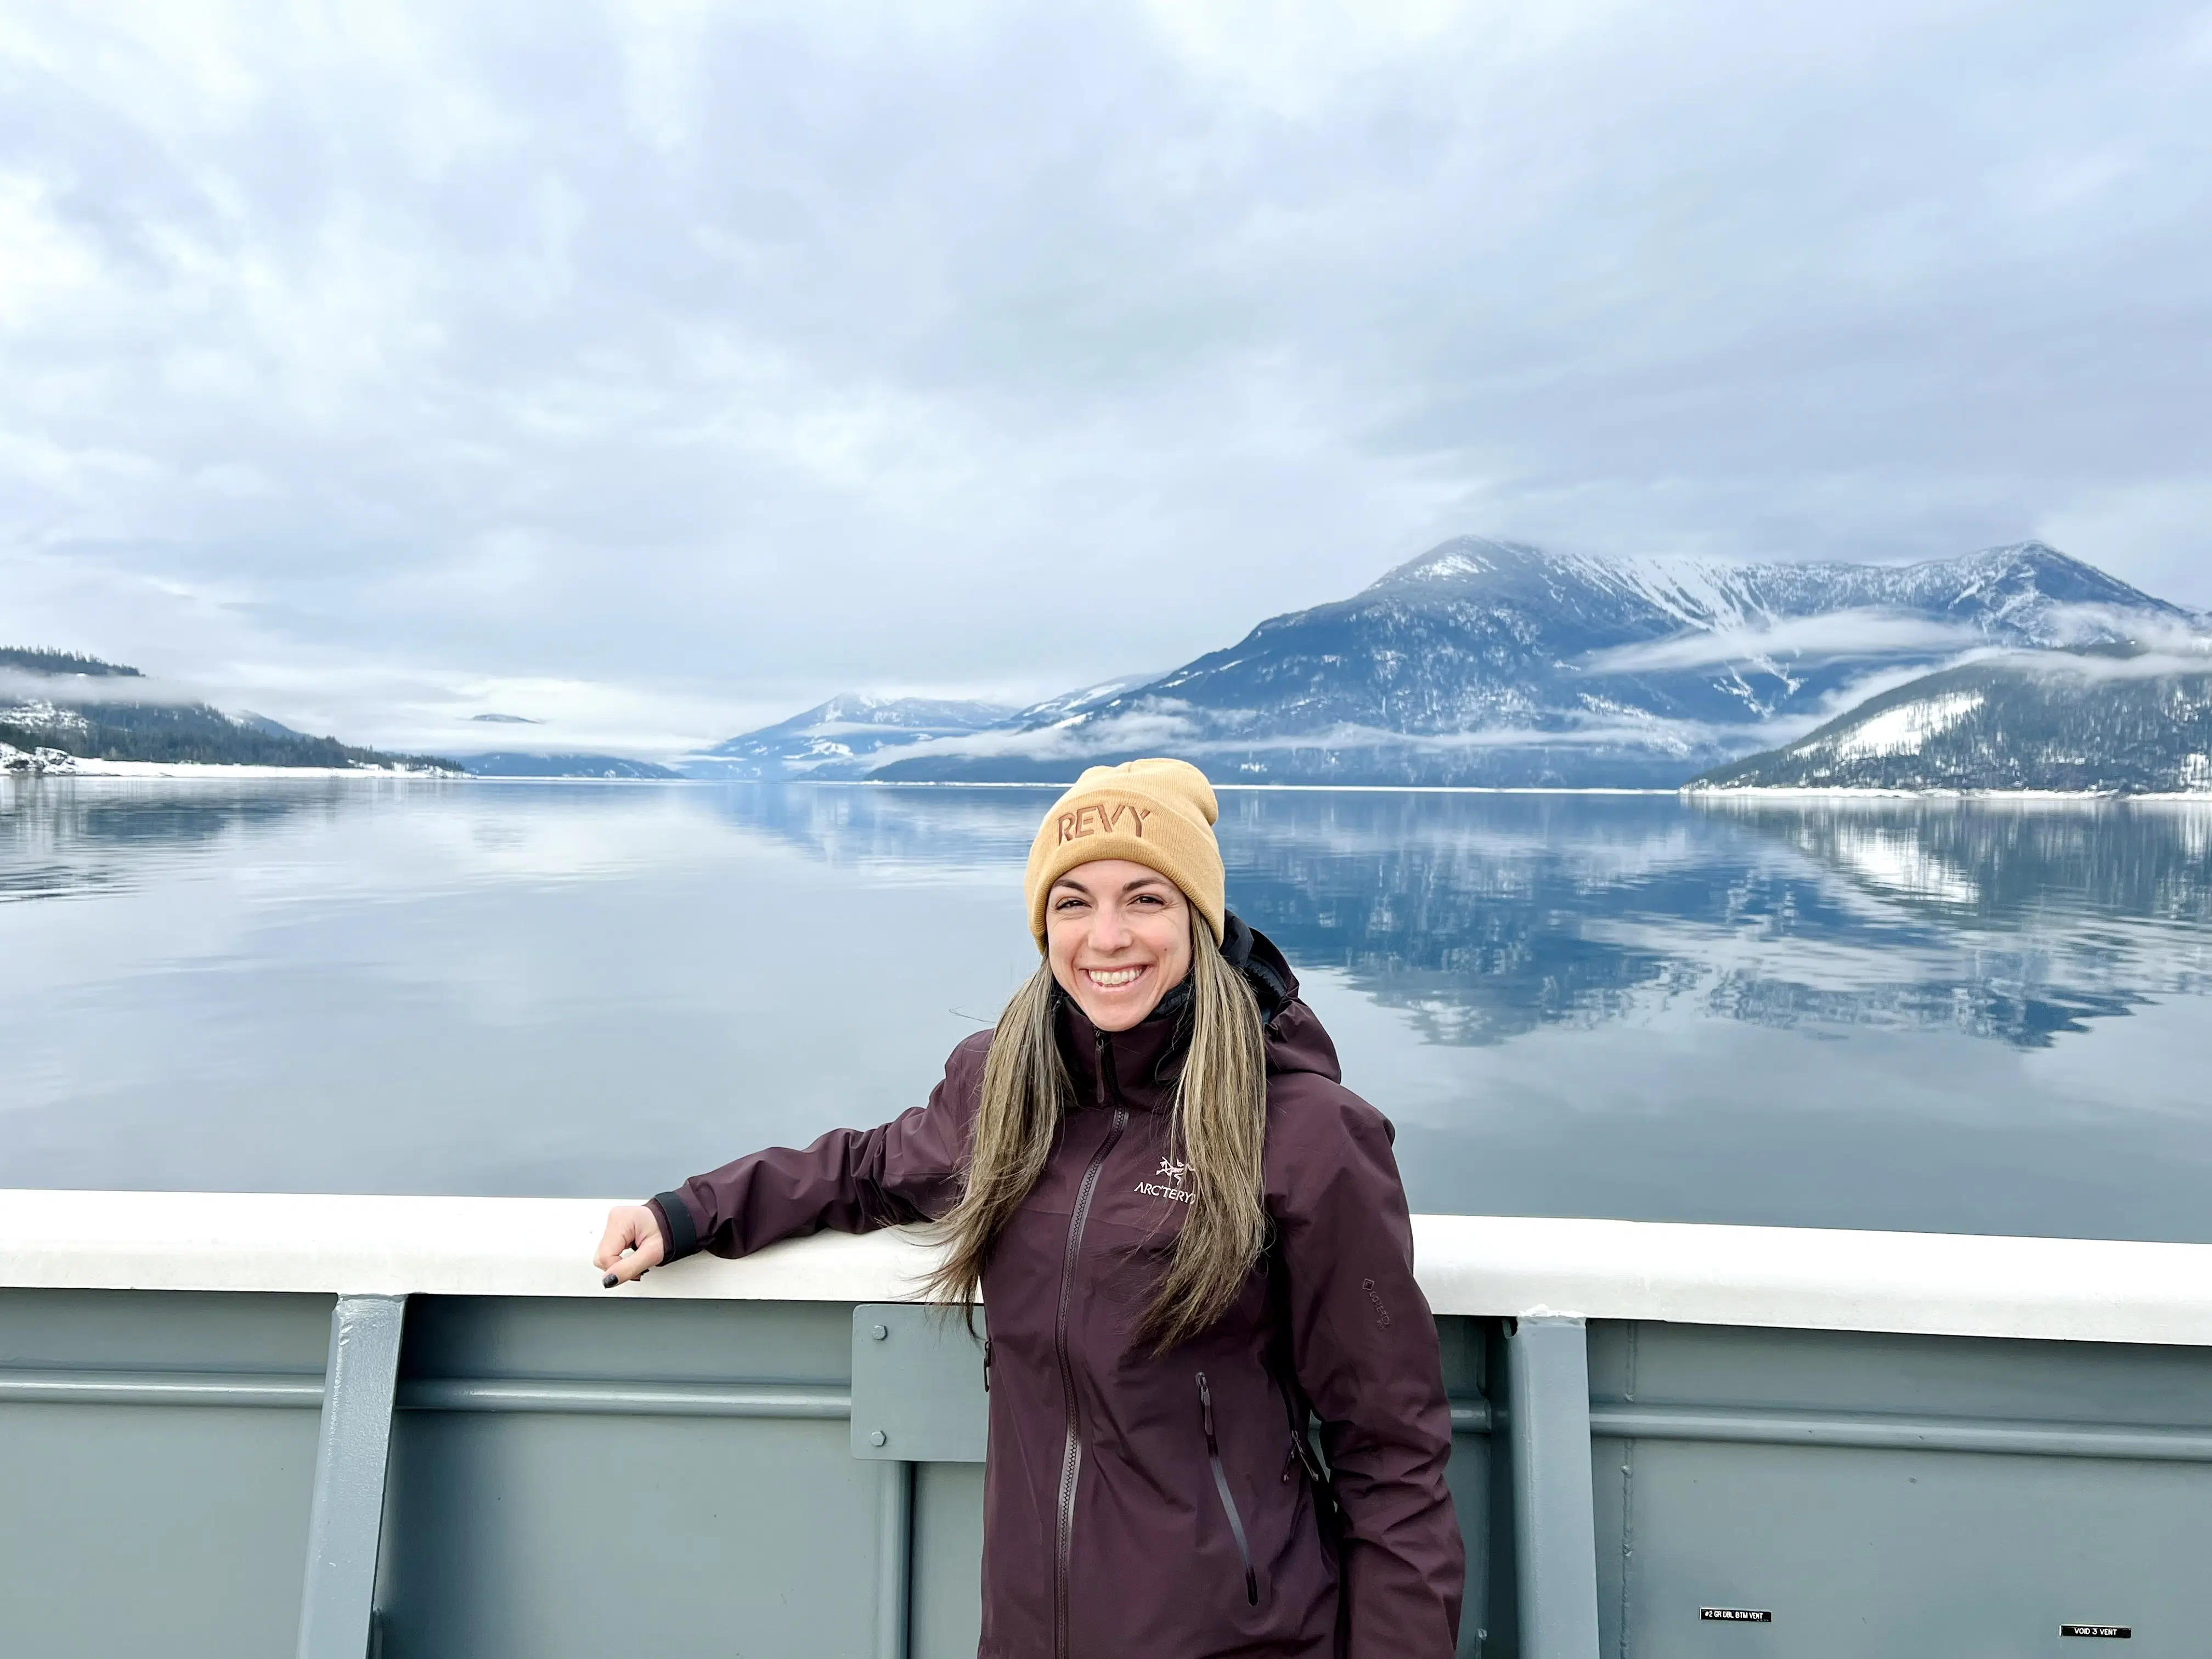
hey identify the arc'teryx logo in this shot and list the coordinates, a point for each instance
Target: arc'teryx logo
(1175, 1172)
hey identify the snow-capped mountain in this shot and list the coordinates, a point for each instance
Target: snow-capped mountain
(843, 738)
(1498, 663)
(2131, 724)
(854, 736)
(1071, 705)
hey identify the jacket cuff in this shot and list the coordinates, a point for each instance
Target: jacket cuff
(680, 1238)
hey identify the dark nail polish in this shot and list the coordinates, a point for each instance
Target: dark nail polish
(610, 1281)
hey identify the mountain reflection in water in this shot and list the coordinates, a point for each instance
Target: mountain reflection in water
(1486, 916)
(1953, 1015)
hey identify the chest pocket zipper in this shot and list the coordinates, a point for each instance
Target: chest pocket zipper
(1228, 1499)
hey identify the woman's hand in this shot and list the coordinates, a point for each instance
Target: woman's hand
(632, 1245)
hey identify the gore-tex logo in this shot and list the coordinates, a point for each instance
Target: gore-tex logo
(1175, 1172)
(1381, 1313)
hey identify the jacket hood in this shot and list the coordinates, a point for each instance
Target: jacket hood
(1296, 1041)
(1145, 1060)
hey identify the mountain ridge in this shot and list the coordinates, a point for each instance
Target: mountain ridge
(840, 738)
(42, 714)
(1479, 662)
(1488, 662)
(2108, 724)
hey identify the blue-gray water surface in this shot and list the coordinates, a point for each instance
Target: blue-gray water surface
(1951, 1016)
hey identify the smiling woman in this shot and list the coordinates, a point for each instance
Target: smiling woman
(1191, 1241)
(1117, 936)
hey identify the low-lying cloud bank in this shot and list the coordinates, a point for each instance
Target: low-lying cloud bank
(1180, 730)
(1845, 635)
(19, 686)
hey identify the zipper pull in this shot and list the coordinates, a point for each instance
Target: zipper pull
(987, 1364)
(1289, 1452)
(1105, 1063)
(1206, 1409)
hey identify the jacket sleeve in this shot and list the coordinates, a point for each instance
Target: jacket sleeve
(1366, 1353)
(850, 1180)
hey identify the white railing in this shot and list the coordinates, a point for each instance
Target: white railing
(2079, 1289)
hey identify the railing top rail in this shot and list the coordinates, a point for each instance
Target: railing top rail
(2081, 1290)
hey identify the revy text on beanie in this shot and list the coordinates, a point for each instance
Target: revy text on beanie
(1158, 813)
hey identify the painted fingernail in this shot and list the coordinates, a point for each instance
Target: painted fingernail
(611, 1281)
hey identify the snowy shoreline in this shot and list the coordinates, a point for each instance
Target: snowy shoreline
(53, 763)
(1703, 792)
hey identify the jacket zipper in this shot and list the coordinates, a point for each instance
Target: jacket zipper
(1071, 1457)
(1228, 1499)
(1300, 1453)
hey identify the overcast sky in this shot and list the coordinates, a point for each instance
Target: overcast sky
(659, 369)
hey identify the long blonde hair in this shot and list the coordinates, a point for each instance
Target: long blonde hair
(1217, 1127)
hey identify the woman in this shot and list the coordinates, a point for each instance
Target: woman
(1188, 1234)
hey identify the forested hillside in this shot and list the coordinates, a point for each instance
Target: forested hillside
(62, 700)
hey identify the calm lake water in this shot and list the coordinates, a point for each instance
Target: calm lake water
(1947, 1016)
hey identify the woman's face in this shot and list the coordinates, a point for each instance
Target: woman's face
(1117, 935)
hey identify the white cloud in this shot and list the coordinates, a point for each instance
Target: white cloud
(721, 356)
(17, 686)
(2142, 666)
(1841, 633)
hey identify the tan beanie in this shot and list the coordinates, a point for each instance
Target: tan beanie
(1158, 813)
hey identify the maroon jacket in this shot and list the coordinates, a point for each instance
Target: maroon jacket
(1165, 1506)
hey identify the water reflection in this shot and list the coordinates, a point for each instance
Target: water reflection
(902, 832)
(1904, 1014)
(58, 839)
(1487, 916)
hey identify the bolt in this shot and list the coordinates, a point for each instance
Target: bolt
(879, 1332)
(877, 1436)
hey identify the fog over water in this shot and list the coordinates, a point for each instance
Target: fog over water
(1947, 1016)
